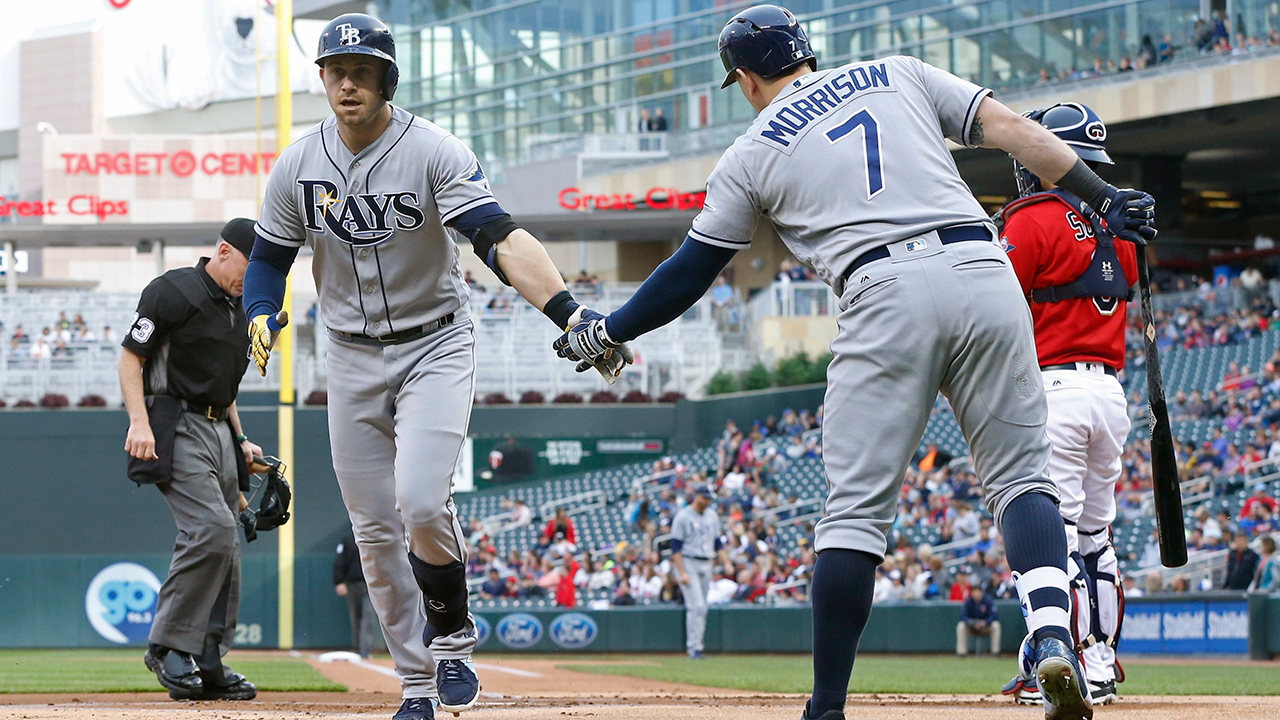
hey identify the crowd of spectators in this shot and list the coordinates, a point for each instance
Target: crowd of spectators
(58, 340)
(1208, 36)
(941, 500)
(941, 497)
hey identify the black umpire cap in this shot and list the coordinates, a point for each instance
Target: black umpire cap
(239, 234)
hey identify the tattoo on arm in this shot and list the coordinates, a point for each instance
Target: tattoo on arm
(976, 136)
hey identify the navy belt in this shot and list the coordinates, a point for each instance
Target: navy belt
(948, 235)
(395, 338)
(695, 557)
(1072, 366)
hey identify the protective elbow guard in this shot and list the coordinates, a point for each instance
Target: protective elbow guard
(485, 243)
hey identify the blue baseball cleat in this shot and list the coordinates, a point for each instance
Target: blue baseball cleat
(458, 685)
(415, 709)
(1061, 681)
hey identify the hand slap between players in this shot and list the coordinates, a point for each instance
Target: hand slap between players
(588, 343)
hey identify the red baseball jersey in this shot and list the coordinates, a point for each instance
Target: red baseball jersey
(1050, 244)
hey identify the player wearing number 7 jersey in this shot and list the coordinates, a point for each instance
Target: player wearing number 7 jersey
(851, 167)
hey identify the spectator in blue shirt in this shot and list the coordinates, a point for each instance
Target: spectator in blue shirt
(494, 587)
(978, 618)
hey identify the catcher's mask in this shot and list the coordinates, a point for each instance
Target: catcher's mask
(273, 508)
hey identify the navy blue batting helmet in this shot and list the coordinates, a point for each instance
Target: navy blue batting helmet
(360, 34)
(765, 39)
(1076, 125)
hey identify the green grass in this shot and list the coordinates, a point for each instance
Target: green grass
(105, 671)
(927, 674)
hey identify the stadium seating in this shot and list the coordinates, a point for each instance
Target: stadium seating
(512, 351)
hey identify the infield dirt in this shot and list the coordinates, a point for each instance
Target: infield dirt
(518, 689)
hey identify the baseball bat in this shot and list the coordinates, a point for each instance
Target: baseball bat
(282, 319)
(1164, 466)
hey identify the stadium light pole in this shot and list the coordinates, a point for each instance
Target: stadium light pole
(284, 350)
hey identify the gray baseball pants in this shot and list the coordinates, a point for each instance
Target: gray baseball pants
(695, 601)
(938, 318)
(200, 599)
(398, 417)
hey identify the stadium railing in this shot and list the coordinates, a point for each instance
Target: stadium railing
(512, 348)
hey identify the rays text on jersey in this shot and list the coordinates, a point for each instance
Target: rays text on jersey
(361, 219)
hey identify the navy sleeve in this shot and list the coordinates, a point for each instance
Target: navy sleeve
(672, 289)
(265, 277)
(470, 222)
(676, 545)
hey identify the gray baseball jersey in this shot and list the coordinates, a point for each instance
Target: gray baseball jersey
(697, 532)
(845, 160)
(383, 258)
(398, 412)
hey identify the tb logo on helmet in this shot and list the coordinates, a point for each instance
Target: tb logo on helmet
(350, 34)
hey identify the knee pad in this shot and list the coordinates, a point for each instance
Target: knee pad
(444, 592)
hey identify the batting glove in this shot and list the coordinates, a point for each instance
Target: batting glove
(587, 342)
(263, 331)
(1129, 214)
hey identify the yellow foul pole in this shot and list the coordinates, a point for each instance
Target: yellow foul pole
(284, 348)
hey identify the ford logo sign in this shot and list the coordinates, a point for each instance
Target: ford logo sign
(482, 629)
(574, 631)
(520, 631)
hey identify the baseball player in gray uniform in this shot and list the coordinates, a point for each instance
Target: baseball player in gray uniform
(851, 167)
(695, 543)
(372, 190)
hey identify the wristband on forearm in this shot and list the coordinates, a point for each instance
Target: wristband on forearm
(1086, 185)
(560, 308)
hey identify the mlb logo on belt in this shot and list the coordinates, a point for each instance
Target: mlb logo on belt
(916, 245)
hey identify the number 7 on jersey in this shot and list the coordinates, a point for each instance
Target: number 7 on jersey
(871, 139)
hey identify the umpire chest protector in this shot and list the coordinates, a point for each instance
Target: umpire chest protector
(1103, 280)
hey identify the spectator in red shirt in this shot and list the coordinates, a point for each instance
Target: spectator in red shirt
(1259, 496)
(566, 592)
(561, 523)
(959, 589)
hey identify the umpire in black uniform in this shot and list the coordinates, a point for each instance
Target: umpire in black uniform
(183, 359)
(349, 583)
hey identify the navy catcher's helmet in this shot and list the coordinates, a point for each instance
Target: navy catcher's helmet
(360, 34)
(765, 39)
(1076, 125)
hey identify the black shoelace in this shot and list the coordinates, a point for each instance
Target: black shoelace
(415, 704)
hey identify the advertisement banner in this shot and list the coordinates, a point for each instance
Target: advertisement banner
(517, 459)
(1186, 627)
(92, 179)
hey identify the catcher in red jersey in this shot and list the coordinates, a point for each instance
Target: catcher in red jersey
(1077, 278)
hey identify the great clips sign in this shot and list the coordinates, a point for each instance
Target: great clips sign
(152, 178)
(656, 199)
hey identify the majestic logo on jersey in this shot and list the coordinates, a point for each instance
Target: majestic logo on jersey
(362, 219)
(350, 35)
